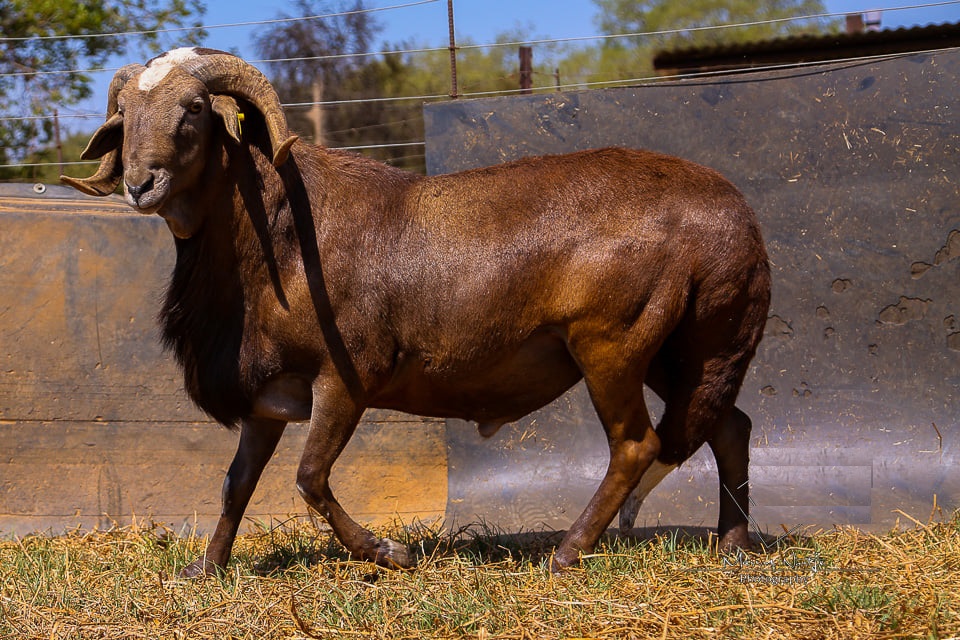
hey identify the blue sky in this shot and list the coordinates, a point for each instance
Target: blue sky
(480, 21)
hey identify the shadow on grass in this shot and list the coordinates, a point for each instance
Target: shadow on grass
(305, 543)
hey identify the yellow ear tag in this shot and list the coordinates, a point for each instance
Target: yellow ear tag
(240, 123)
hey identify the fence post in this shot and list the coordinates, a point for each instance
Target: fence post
(453, 51)
(526, 70)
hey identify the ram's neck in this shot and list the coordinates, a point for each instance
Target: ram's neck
(264, 228)
(203, 315)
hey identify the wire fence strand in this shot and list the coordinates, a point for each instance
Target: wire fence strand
(252, 23)
(626, 83)
(462, 47)
(634, 81)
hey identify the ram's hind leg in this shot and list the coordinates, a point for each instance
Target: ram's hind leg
(631, 506)
(699, 407)
(731, 448)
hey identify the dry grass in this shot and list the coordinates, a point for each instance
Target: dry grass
(294, 582)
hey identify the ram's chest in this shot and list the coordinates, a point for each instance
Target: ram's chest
(258, 351)
(277, 338)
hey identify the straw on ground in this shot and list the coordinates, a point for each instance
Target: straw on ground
(293, 581)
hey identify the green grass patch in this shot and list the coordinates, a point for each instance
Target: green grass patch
(293, 580)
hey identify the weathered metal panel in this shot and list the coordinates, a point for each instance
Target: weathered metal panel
(94, 424)
(852, 169)
(61, 474)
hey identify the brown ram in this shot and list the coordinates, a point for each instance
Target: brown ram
(311, 284)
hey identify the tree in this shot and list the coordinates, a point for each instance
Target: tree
(682, 24)
(314, 64)
(689, 18)
(43, 165)
(39, 39)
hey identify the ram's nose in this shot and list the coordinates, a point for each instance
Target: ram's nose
(136, 191)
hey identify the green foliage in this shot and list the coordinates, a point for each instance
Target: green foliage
(317, 66)
(388, 122)
(630, 16)
(33, 48)
(356, 85)
(605, 63)
(301, 43)
(43, 165)
(631, 57)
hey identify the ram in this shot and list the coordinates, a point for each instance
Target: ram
(312, 284)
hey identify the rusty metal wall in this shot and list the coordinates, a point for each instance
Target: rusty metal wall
(95, 427)
(853, 171)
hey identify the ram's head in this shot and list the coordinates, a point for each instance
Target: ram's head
(161, 119)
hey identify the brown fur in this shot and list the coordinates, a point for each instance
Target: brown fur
(333, 283)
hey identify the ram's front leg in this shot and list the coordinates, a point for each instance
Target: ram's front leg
(335, 418)
(258, 441)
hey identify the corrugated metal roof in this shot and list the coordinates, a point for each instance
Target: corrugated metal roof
(808, 48)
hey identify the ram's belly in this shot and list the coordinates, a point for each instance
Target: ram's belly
(491, 388)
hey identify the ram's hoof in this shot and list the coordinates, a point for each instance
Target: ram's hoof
(734, 539)
(392, 555)
(564, 559)
(199, 568)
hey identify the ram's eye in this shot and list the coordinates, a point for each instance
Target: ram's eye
(195, 107)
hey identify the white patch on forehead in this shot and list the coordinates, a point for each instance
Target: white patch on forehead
(159, 68)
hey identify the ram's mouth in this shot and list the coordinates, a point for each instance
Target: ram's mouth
(149, 197)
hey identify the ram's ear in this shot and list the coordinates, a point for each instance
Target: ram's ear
(228, 111)
(107, 138)
(104, 144)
